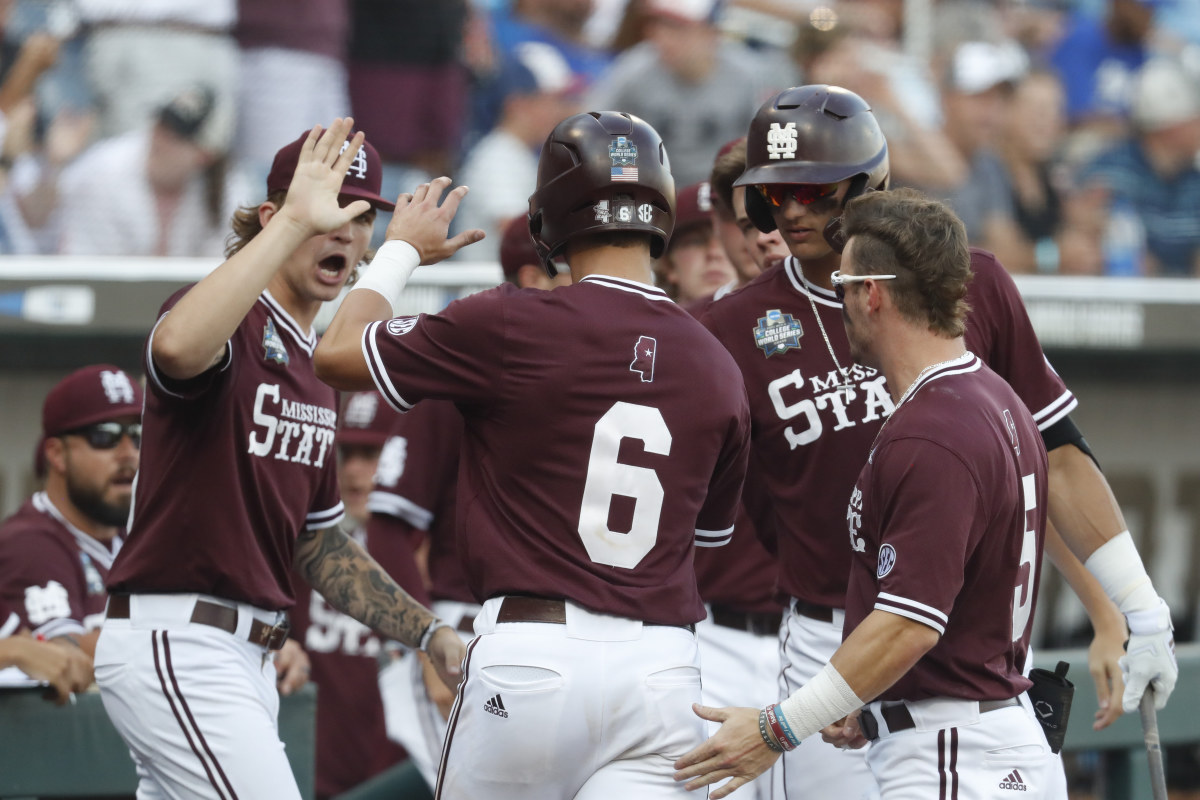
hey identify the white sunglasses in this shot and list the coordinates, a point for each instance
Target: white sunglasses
(839, 281)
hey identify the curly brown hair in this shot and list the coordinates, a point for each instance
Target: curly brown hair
(921, 241)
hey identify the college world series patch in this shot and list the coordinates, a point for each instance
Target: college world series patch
(777, 333)
(273, 349)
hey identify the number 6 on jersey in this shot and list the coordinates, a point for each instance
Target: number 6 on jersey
(606, 477)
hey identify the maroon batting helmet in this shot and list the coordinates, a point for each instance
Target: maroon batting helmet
(812, 134)
(601, 171)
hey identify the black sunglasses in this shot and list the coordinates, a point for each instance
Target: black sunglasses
(107, 435)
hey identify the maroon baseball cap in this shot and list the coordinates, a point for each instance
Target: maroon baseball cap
(362, 182)
(93, 394)
(366, 419)
(516, 248)
(693, 206)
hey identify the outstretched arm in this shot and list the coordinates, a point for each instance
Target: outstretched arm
(416, 235)
(874, 656)
(353, 583)
(192, 337)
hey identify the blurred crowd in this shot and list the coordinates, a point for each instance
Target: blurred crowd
(1065, 133)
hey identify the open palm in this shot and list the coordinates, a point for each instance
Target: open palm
(312, 198)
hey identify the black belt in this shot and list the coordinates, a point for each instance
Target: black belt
(215, 615)
(762, 623)
(516, 608)
(812, 611)
(898, 718)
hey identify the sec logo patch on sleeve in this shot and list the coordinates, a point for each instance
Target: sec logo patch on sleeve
(401, 325)
(887, 560)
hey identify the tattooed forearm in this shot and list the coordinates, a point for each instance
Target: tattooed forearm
(353, 583)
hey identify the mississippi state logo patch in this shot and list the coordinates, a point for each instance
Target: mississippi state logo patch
(777, 332)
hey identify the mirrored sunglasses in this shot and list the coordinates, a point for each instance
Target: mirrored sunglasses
(107, 435)
(803, 193)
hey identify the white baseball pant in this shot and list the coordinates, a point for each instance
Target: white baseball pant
(197, 706)
(954, 752)
(739, 669)
(596, 708)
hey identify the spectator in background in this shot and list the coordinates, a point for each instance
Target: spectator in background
(1096, 59)
(558, 23)
(539, 89)
(853, 51)
(1033, 135)
(292, 70)
(695, 88)
(976, 92)
(55, 552)
(352, 744)
(1152, 180)
(694, 266)
(138, 55)
(408, 87)
(161, 190)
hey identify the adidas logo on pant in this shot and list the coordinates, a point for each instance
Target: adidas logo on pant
(496, 706)
(1014, 782)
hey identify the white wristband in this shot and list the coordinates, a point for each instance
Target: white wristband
(823, 700)
(1118, 567)
(389, 271)
(434, 625)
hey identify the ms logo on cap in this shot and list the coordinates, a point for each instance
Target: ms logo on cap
(359, 165)
(117, 387)
(361, 409)
(781, 141)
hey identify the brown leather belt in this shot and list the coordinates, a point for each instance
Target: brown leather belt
(466, 624)
(215, 615)
(898, 718)
(761, 623)
(516, 608)
(812, 611)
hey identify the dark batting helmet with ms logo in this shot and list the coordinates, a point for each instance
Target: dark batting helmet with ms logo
(812, 134)
(601, 171)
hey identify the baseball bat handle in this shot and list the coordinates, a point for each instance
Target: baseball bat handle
(1158, 779)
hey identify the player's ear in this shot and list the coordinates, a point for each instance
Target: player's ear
(54, 450)
(266, 210)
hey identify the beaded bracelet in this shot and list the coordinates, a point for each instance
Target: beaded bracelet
(764, 730)
(779, 727)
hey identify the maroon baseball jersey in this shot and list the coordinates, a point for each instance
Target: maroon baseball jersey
(352, 743)
(416, 483)
(741, 575)
(51, 573)
(946, 525)
(810, 438)
(234, 464)
(605, 431)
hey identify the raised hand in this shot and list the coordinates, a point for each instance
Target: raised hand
(421, 221)
(312, 197)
